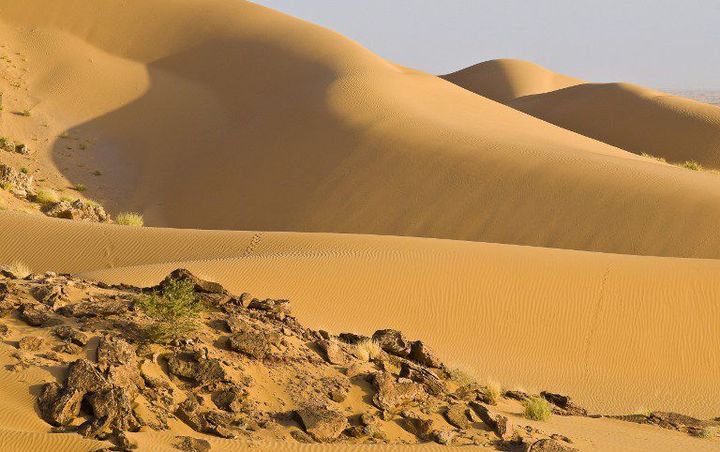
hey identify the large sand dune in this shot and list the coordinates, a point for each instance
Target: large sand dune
(631, 117)
(276, 124)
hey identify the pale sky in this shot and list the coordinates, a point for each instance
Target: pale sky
(672, 44)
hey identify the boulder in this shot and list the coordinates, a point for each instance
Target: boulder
(232, 398)
(501, 425)
(215, 422)
(565, 403)
(278, 309)
(549, 445)
(199, 285)
(422, 354)
(115, 351)
(22, 149)
(77, 210)
(112, 410)
(19, 183)
(190, 444)
(332, 352)
(457, 416)
(421, 428)
(393, 342)
(34, 315)
(83, 376)
(322, 423)
(433, 384)
(51, 295)
(71, 334)
(251, 343)
(58, 405)
(392, 395)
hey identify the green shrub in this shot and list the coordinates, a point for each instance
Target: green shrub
(537, 409)
(129, 219)
(46, 196)
(493, 392)
(79, 187)
(692, 165)
(173, 310)
(24, 170)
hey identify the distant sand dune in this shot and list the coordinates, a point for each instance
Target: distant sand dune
(631, 117)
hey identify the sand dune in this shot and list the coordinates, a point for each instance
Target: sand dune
(276, 124)
(631, 117)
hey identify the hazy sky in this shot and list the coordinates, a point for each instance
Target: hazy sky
(658, 43)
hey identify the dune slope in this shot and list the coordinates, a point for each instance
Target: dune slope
(631, 117)
(276, 124)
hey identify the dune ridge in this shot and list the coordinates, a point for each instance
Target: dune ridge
(631, 117)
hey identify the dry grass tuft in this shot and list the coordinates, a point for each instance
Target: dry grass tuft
(129, 219)
(493, 391)
(17, 268)
(537, 409)
(46, 196)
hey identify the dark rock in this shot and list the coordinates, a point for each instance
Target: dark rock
(114, 351)
(501, 425)
(200, 285)
(421, 353)
(71, 334)
(433, 384)
(251, 343)
(78, 210)
(564, 402)
(457, 416)
(352, 339)
(190, 444)
(232, 398)
(422, 428)
(322, 423)
(58, 405)
(22, 149)
(214, 422)
(278, 308)
(393, 342)
(112, 410)
(517, 395)
(332, 352)
(83, 376)
(50, 294)
(34, 315)
(4, 330)
(68, 347)
(95, 308)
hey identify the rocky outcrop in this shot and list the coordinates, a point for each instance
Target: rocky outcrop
(565, 406)
(393, 394)
(322, 423)
(18, 183)
(77, 210)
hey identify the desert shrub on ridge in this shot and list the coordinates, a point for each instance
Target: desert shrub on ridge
(173, 310)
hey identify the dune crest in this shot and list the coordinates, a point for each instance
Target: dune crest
(631, 117)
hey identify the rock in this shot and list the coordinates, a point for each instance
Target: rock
(95, 308)
(115, 351)
(22, 149)
(251, 343)
(322, 423)
(457, 416)
(394, 395)
(184, 365)
(30, 343)
(675, 421)
(444, 437)
(215, 422)
(71, 334)
(77, 210)
(68, 347)
(34, 315)
(393, 342)
(4, 330)
(352, 339)
(549, 445)
(332, 352)
(564, 402)
(232, 398)
(59, 406)
(433, 384)
(112, 410)
(83, 376)
(21, 184)
(199, 285)
(421, 354)
(51, 295)
(278, 308)
(501, 425)
(190, 444)
(520, 396)
(422, 428)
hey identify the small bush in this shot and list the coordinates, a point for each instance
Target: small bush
(24, 170)
(461, 377)
(692, 165)
(537, 409)
(79, 187)
(46, 196)
(173, 311)
(367, 350)
(708, 432)
(493, 391)
(650, 156)
(17, 268)
(129, 219)
(6, 185)
(5, 143)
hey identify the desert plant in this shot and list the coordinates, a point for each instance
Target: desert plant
(129, 219)
(27, 112)
(650, 156)
(461, 377)
(46, 196)
(24, 170)
(6, 185)
(367, 350)
(492, 391)
(97, 173)
(692, 165)
(18, 269)
(708, 432)
(79, 187)
(173, 310)
(537, 409)
(5, 143)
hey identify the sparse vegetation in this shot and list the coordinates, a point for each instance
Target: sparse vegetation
(129, 219)
(46, 196)
(537, 409)
(461, 376)
(367, 350)
(79, 187)
(708, 432)
(493, 391)
(6, 185)
(27, 113)
(24, 170)
(173, 311)
(17, 268)
(5, 143)
(97, 173)
(650, 156)
(692, 165)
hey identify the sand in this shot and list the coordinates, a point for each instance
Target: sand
(628, 116)
(548, 256)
